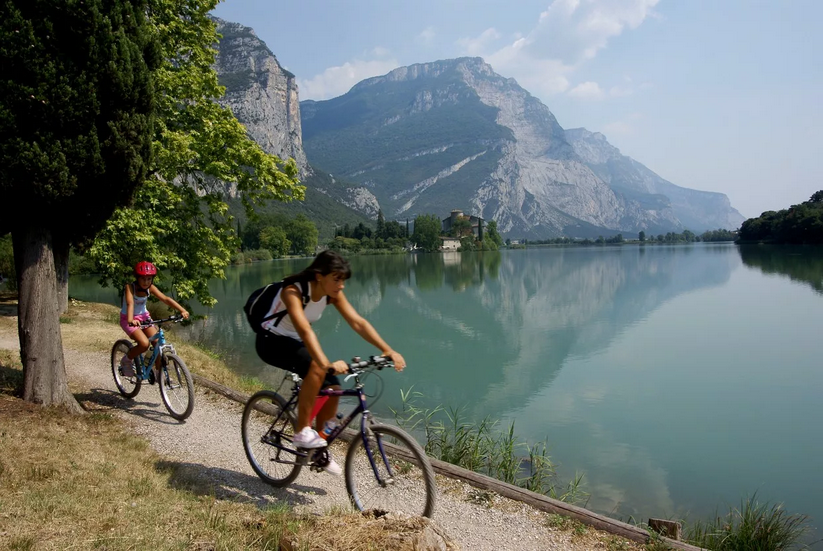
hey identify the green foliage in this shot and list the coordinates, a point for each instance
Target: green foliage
(303, 235)
(461, 227)
(247, 257)
(7, 269)
(427, 232)
(180, 218)
(718, 235)
(641, 236)
(757, 526)
(467, 243)
(799, 224)
(77, 100)
(274, 239)
(492, 234)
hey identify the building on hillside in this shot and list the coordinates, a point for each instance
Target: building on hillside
(476, 222)
(449, 244)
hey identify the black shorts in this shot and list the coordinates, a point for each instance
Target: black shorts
(289, 354)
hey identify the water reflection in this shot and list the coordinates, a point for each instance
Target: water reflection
(803, 264)
(487, 329)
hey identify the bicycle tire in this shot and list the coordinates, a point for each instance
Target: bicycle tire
(410, 489)
(127, 386)
(176, 387)
(274, 466)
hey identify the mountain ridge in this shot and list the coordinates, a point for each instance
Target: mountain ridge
(432, 137)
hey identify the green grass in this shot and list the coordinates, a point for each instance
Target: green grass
(484, 448)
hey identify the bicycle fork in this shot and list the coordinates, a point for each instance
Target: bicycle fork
(369, 436)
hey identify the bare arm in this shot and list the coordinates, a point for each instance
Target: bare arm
(168, 301)
(365, 329)
(129, 305)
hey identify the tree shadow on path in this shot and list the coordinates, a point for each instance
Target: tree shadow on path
(232, 485)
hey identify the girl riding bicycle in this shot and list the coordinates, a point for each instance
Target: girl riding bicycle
(134, 312)
(290, 342)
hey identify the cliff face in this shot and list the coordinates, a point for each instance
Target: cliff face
(261, 94)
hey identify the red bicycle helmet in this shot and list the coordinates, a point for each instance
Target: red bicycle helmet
(145, 269)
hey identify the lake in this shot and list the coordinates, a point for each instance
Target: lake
(677, 379)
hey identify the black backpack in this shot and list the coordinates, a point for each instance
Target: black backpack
(260, 301)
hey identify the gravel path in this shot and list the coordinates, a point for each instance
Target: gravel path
(208, 446)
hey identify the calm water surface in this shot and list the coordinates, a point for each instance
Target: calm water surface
(678, 379)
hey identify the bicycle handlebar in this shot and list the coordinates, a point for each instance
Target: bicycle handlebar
(176, 319)
(357, 365)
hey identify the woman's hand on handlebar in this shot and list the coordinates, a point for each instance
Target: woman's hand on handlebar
(185, 314)
(338, 368)
(397, 359)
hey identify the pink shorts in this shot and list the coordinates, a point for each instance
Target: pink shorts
(129, 329)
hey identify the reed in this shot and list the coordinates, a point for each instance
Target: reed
(485, 448)
(754, 526)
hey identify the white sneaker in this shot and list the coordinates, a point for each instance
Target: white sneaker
(308, 438)
(333, 467)
(127, 366)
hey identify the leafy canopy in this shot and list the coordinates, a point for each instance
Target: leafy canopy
(179, 218)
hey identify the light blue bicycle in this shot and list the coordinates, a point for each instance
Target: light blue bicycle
(176, 386)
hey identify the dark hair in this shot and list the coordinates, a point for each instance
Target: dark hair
(325, 263)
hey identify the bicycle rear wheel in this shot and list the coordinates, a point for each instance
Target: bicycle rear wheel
(406, 478)
(128, 386)
(176, 387)
(267, 439)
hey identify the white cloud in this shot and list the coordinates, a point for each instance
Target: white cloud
(567, 34)
(479, 45)
(587, 90)
(336, 81)
(426, 36)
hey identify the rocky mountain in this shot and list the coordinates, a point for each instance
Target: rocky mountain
(453, 134)
(696, 210)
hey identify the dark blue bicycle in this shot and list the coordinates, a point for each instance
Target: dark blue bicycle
(176, 386)
(386, 469)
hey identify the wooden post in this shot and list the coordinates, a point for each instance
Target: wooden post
(666, 528)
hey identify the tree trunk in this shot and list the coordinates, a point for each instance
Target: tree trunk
(61, 267)
(41, 346)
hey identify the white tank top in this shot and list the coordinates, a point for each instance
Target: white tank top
(139, 302)
(313, 312)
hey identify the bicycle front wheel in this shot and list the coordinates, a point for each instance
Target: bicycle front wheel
(176, 387)
(267, 439)
(128, 386)
(390, 472)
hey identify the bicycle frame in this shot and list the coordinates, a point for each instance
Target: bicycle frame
(361, 408)
(159, 347)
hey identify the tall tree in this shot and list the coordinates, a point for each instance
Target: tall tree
(492, 233)
(179, 218)
(427, 232)
(303, 235)
(381, 225)
(76, 119)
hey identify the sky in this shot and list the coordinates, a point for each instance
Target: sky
(715, 95)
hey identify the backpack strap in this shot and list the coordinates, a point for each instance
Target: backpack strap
(278, 316)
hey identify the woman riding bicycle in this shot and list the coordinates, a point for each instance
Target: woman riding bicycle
(290, 342)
